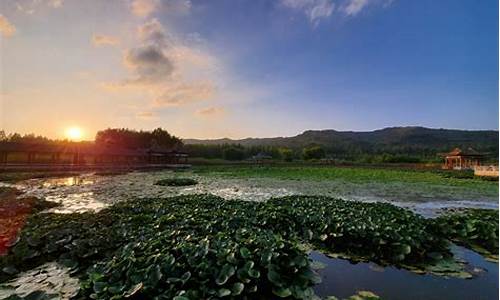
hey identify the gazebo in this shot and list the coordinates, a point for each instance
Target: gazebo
(459, 159)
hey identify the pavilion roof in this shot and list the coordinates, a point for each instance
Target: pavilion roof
(459, 152)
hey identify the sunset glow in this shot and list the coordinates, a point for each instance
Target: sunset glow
(74, 133)
(285, 66)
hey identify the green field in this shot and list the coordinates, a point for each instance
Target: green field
(357, 175)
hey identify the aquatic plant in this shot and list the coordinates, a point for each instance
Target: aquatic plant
(378, 232)
(202, 246)
(13, 212)
(361, 295)
(176, 182)
(421, 179)
(476, 229)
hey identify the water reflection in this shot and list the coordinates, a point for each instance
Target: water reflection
(75, 203)
(50, 278)
(67, 181)
(105, 190)
(342, 279)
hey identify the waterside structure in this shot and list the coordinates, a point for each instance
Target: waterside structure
(85, 155)
(459, 159)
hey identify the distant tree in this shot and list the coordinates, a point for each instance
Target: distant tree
(132, 139)
(234, 153)
(313, 152)
(286, 154)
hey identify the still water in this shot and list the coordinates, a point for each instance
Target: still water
(342, 279)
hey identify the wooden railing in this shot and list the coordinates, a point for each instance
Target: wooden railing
(491, 171)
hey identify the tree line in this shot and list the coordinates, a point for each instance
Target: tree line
(111, 137)
(161, 138)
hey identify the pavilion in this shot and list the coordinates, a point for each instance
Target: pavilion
(459, 159)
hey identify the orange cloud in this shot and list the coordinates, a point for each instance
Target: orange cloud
(143, 8)
(6, 28)
(211, 112)
(104, 40)
(145, 115)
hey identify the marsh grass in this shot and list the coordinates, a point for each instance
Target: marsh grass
(357, 175)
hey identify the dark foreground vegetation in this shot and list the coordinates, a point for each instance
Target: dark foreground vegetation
(176, 182)
(205, 247)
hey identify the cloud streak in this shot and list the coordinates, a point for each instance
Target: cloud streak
(145, 115)
(185, 93)
(317, 10)
(104, 40)
(211, 112)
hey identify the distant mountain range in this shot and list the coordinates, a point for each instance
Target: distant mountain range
(393, 139)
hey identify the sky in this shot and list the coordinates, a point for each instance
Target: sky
(255, 68)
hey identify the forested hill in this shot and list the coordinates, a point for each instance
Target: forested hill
(418, 140)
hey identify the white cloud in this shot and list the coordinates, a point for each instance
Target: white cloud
(104, 40)
(6, 28)
(29, 7)
(25, 10)
(315, 10)
(355, 6)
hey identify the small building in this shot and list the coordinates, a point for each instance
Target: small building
(459, 159)
(261, 157)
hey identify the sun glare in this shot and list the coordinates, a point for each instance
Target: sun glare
(74, 133)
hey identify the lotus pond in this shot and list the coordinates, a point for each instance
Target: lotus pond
(124, 236)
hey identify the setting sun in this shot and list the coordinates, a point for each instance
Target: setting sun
(74, 133)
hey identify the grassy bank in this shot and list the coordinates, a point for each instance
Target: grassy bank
(350, 174)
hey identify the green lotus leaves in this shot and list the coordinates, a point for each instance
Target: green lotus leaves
(237, 288)
(282, 292)
(205, 247)
(245, 253)
(476, 229)
(223, 292)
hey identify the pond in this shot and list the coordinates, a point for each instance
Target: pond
(90, 192)
(94, 192)
(343, 278)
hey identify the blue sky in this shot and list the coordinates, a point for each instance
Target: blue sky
(239, 68)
